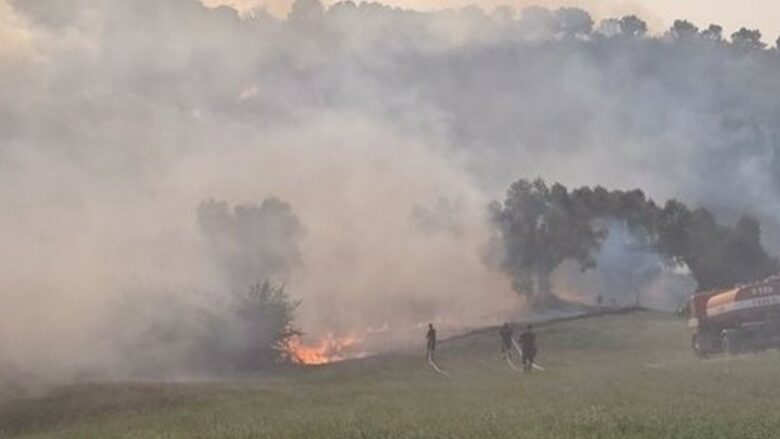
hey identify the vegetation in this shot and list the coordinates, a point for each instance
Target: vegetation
(248, 331)
(538, 227)
(618, 376)
(251, 243)
(266, 315)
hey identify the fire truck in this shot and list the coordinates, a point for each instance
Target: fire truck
(744, 318)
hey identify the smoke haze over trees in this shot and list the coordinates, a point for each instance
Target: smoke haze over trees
(245, 326)
(538, 227)
(252, 243)
(168, 335)
(119, 118)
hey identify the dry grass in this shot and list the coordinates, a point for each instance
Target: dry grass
(608, 377)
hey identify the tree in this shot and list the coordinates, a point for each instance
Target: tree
(306, 13)
(717, 255)
(747, 39)
(538, 227)
(672, 225)
(245, 330)
(265, 319)
(344, 8)
(609, 27)
(713, 33)
(250, 243)
(573, 22)
(632, 26)
(683, 30)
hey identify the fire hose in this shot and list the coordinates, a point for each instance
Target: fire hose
(511, 363)
(436, 367)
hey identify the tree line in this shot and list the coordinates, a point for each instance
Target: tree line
(538, 227)
(534, 21)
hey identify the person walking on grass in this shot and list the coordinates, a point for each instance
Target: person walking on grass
(431, 343)
(506, 334)
(528, 345)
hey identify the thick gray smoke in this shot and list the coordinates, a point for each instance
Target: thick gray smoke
(252, 244)
(627, 274)
(120, 117)
(441, 217)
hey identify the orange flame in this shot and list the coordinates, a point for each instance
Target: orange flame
(328, 350)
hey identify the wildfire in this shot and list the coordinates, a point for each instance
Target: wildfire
(328, 350)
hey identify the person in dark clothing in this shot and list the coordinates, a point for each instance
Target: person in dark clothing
(431, 345)
(528, 345)
(506, 334)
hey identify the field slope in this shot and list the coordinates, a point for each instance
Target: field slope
(615, 376)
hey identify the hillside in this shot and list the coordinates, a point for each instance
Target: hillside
(613, 376)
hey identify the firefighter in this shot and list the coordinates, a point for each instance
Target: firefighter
(431, 342)
(506, 334)
(528, 345)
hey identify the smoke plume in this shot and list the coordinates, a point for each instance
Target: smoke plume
(119, 118)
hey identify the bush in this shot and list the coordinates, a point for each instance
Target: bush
(164, 335)
(266, 314)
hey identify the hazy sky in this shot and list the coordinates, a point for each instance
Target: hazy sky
(762, 14)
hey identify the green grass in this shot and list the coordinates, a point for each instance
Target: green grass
(617, 376)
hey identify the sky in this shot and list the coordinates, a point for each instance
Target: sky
(761, 14)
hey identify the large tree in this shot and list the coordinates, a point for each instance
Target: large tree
(537, 228)
(632, 26)
(683, 30)
(251, 243)
(713, 33)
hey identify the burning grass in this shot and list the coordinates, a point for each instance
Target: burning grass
(329, 349)
(619, 376)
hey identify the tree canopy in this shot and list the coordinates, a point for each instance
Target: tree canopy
(538, 227)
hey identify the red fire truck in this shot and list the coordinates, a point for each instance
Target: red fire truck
(745, 318)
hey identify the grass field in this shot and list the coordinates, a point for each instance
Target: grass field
(615, 376)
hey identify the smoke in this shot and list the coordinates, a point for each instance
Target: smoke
(120, 118)
(252, 244)
(441, 217)
(627, 274)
